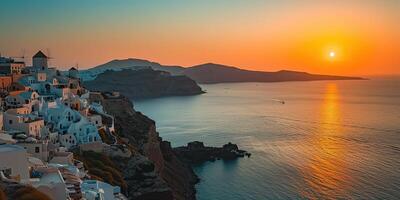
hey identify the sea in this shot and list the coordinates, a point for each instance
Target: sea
(308, 140)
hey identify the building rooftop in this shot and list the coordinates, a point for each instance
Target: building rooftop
(9, 148)
(40, 54)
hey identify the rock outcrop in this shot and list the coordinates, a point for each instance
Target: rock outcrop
(196, 153)
(144, 83)
(154, 171)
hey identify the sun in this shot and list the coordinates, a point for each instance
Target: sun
(332, 54)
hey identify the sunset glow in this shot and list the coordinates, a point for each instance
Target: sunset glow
(262, 35)
(332, 54)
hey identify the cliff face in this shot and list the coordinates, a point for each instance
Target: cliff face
(154, 172)
(144, 83)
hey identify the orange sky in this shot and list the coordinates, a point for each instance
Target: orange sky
(259, 35)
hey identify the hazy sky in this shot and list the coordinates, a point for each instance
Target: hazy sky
(261, 35)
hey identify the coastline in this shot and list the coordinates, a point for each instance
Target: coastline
(153, 171)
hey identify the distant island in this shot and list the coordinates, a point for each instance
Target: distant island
(144, 83)
(210, 73)
(216, 73)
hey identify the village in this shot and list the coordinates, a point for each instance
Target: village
(45, 115)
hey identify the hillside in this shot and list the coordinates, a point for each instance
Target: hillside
(215, 73)
(130, 63)
(144, 83)
(210, 72)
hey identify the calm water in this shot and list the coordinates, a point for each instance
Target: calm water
(330, 140)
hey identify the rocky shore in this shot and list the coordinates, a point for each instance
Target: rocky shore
(196, 153)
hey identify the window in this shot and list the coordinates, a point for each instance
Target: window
(37, 149)
(10, 121)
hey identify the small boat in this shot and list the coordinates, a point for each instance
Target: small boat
(278, 100)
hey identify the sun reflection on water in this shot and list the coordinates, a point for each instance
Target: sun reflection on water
(325, 173)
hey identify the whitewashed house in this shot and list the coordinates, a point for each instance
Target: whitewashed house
(37, 148)
(73, 128)
(68, 140)
(94, 190)
(95, 119)
(84, 131)
(51, 182)
(59, 115)
(30, 124)
(14, 162)
(27, 98)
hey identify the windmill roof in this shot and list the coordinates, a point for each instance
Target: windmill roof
(40, 54)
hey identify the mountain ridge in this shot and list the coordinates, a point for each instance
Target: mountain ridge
(209, 73)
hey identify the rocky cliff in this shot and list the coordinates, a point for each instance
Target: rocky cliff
(144, 83)
(154, 171)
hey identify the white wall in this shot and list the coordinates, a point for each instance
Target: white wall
(15, 158)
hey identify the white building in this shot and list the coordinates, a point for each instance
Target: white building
(51, 183)
(94, 189)
(59, 115)
(27, 99)
(68, 140)
(6, 139)
(66, 158)
(37, 148)
(30, 124)
(14, 162)
(84, 131)
(95, 119)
